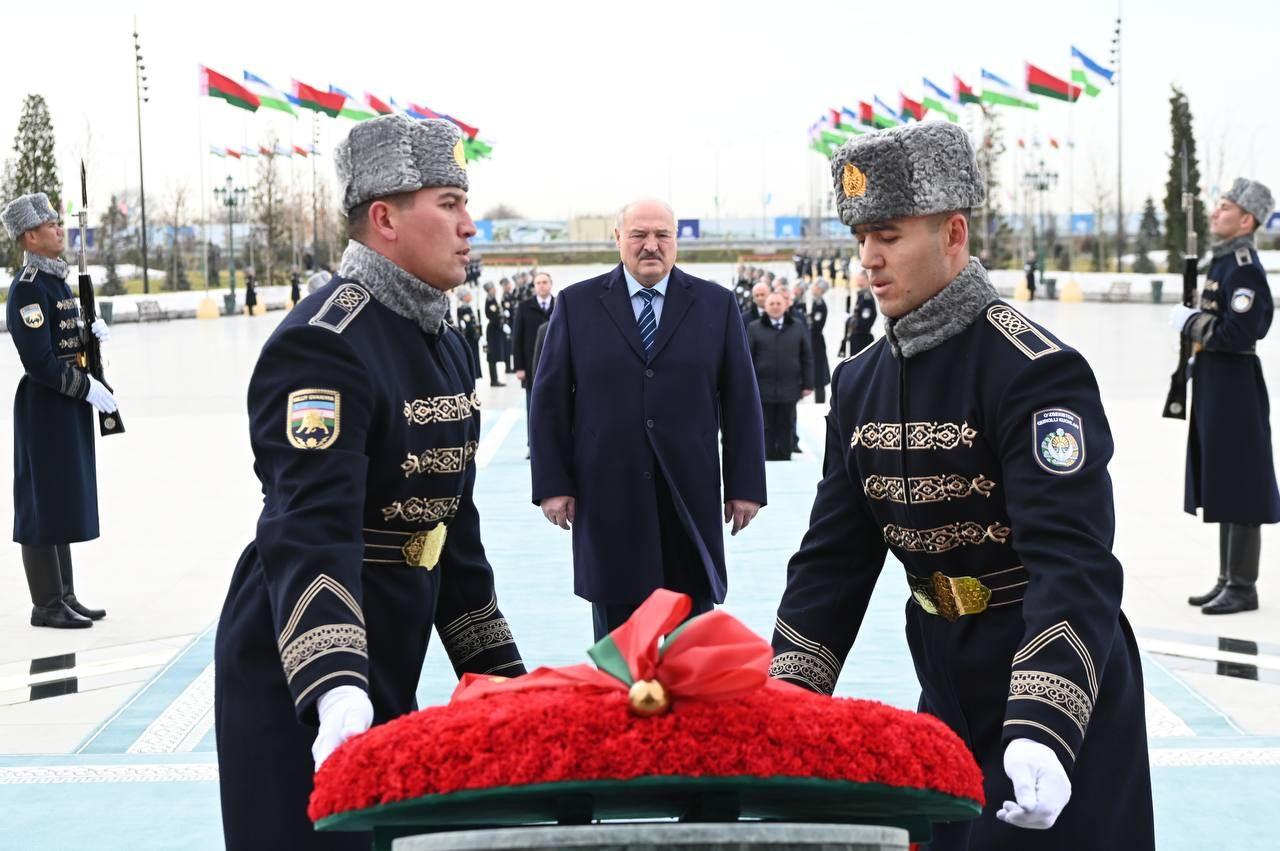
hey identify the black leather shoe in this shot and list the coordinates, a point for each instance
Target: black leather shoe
(1232, 600)
(58, 616)
(1201, 599)
(497, 384)
(82, 610)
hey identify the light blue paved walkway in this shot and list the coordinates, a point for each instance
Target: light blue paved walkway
(146, 778)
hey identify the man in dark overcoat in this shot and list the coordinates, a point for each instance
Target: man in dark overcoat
(1231, 473)
(644, 380)
(782, 353)
(55, 479)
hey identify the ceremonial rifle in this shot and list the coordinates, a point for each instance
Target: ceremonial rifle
(1175, 404)
(91, 353)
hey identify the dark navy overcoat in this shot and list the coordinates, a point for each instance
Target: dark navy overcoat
(606, 419)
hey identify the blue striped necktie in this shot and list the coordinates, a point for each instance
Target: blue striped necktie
(647, 321)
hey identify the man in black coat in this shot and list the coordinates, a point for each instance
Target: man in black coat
(495, 338)
(754, 311)
(469, 327)
(1230, 470)
(857, 328)
(640, 369)
(532, 314)
(817, 329)
(55, 479)
(973, 444)
(509, 303)
(782, 354)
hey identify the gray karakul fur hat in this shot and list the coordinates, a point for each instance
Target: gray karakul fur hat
(915, 170)
(27, 212)
(1252, 197)
(395, 153)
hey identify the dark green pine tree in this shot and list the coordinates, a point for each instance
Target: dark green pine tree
(1148, 238)
(33, 168)
(1175, 219)
(111, 225)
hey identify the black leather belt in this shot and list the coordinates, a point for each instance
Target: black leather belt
(953, 597)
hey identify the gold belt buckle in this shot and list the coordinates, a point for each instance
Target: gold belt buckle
(956, 596)
(424, 548)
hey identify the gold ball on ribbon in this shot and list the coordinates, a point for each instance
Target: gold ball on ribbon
(648, 698)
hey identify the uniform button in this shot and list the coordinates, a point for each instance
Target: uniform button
(647, 475)
(649, 423)
(648, 373)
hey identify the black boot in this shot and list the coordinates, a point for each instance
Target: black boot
(1241, 593)
(68, 587)
(1224, 537)
(45, 583)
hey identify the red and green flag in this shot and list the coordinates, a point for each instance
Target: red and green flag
(312, 98)
(351, 108)
(1041, 82)
(377, 105)
(911, 108)
(232, 152)
(216, 85)
(964, 92)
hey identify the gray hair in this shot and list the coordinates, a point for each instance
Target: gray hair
(622, 214)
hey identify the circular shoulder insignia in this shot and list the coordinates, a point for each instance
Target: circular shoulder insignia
(1058, 440)
(1242, 300)
(853, 181)
(459, 154)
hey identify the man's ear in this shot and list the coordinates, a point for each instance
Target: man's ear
(380, 220)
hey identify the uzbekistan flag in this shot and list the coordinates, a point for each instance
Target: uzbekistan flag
(350, 106)
(268, 95)
(1089, 74)
(998, 92)
(216, 85)
(938, 100)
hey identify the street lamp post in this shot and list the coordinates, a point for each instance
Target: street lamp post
(1040, 180)
(140, 95)
(231, 197)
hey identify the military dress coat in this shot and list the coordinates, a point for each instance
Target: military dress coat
(984, 457)
(364, 430)
(1230, 469)
(495, 338)
(817, 330)
(55, 486)
(469, 327)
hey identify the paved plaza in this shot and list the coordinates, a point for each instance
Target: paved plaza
(106, 734)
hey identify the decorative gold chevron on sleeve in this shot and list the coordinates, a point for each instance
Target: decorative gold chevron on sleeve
(1061, 631)
(474, 632)
(322, 641)
(321, 583)
(1059, 692)
(813, 663)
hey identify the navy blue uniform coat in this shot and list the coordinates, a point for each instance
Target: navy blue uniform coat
(1230, 470)
(606, 419)
(985, 457)
(364, 431)
(55, 485)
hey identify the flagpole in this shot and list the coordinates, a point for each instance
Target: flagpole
(204, 202)
(315, 206)
(1119, 146)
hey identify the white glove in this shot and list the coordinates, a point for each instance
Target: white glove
(1179, 317)
(345, 711)
(100, 397)
(1040, 786)
(100, 330)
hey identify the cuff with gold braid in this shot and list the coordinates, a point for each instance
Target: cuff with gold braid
(691, 727)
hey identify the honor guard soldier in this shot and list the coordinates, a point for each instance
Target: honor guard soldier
(364, 423)
(469, 327)
(972, 444)
(817, 334)
(1230, 470)
(495, 339)
(55, 480)
(509, 304)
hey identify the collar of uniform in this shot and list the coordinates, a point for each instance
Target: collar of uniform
(52, 265)
(404, 294)
(1222, 249)
(943, 316)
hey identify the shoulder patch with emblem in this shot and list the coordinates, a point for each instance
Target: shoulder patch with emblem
(313, 418)
(1242, 300)
(1058, 440)
(1243, 256)
(32, 315)
(1019, 331)
(28, 274)
(340, 308)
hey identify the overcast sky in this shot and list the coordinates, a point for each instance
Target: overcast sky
(589, 104)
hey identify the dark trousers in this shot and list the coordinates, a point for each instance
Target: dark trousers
(779, 430)
(682, 569)
(528, 409)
